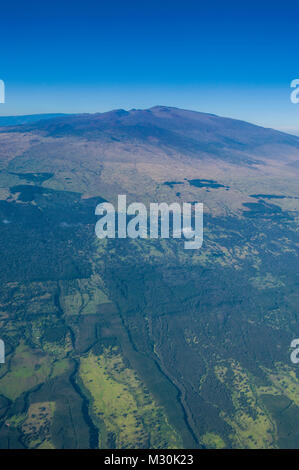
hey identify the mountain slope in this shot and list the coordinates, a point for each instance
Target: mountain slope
(189, 132)
(141, 343)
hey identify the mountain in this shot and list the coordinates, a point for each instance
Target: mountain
(198, 134)
(123, 343)
(19, 120)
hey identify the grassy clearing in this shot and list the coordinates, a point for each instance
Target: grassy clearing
(213, 441)
(26, 369)
(119, 400)
(284, 382)
(252, 425)
(83, 296)
(37, 426)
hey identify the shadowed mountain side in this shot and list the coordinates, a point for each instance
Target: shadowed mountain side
(19, 120)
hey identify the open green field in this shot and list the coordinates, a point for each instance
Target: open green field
(131, 417)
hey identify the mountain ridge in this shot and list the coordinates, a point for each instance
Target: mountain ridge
(20, 120)
(175, 131)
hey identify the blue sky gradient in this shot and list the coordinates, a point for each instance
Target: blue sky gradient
(227, 58)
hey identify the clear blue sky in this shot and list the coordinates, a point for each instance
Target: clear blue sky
(227, 57)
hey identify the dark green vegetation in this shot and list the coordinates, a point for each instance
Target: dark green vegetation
(140, 343)
(198, 183)
(207, 184)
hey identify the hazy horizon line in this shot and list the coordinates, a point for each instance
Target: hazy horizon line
(291, 131)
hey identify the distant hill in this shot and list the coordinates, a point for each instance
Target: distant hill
(18, 120)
